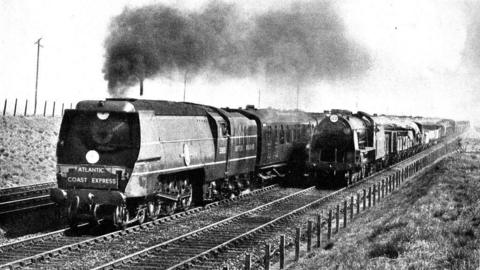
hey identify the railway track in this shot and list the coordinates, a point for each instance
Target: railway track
(24, 198)
(210, 246)
(181, 240)
(59, 247)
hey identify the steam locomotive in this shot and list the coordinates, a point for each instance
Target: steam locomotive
(128, 160)
(346, 147)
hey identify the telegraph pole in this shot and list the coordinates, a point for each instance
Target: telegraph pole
(36, 79)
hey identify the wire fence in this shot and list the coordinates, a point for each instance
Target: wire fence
(25, 107)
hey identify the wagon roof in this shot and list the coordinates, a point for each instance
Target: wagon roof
(269, 116)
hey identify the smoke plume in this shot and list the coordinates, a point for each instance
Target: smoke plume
(305, 42)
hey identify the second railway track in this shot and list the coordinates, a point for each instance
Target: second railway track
(64, 250)
(208, 247)
(22, 198)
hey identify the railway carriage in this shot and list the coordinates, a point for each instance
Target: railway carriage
(282, 138)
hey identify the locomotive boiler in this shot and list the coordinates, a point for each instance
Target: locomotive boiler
(343, 146)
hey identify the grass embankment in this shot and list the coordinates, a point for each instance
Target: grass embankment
(431, 222)
(27, 150)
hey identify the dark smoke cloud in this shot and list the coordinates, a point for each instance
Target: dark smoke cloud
(306, 42)
(303, 43)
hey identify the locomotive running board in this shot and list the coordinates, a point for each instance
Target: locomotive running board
(278, 174)
(172, 197)
(266, 177)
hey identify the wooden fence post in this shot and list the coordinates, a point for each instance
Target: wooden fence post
(45, 109)
(329, 225)
(53, 111)
(374, 193)
(344, 213)
(364, 199)
(297, 244)
(383, 188)
(351, 208)
(5, 107)
(319, 229)
(378, 190)
(26, 106)
(282, 251)
(369, 196)
(248, 261)
(15, 108)
(358, 203)
(63, 108)
(267, 257)
(337, 218)
(309, 235)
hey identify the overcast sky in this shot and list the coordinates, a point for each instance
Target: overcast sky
(420, 62)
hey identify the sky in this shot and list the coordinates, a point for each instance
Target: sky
(421, 58)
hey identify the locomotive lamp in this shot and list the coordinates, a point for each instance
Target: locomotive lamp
(92, 156)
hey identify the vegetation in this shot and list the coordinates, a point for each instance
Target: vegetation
(27, 150)
(432, 222)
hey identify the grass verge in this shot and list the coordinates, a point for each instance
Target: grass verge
(431, 222)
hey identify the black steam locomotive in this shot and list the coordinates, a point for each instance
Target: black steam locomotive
(346, 147)
(128, 160)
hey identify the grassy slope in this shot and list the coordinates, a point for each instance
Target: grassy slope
(431, 222)
(27, 150)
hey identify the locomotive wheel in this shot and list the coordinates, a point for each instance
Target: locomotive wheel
(153, 210)
(120, 216)
(72, 213)
(94, 220)
(169, 208)
(186, 203)
(142, 214)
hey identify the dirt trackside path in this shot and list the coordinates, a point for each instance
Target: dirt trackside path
(432, 221)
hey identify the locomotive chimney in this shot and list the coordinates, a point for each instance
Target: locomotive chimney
(141, 87)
